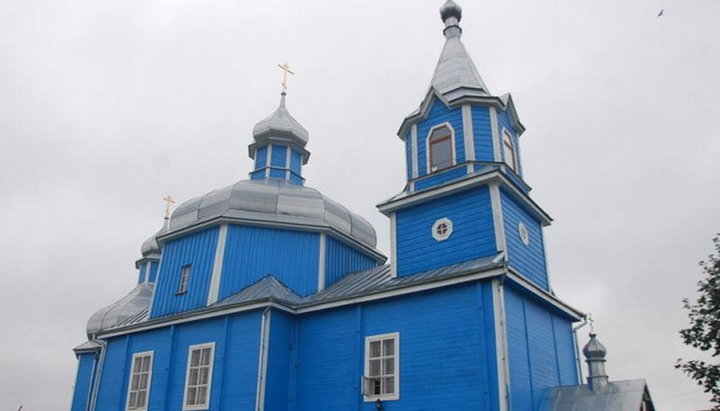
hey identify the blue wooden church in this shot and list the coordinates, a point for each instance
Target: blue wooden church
(268, 295)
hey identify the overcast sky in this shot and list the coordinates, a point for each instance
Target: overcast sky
(106, 106)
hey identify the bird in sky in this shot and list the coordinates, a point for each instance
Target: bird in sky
(660, 13)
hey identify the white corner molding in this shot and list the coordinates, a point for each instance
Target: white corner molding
(495, 134)
(468, 134)
(413, 145)
(497, 214)
(321, 262)
(501, 344)
(393, 245)
(214, 290)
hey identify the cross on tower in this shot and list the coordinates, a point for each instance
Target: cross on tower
(286, 69)
(168, 200)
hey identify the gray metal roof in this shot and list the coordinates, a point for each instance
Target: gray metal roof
(455, 74)
(280, 124)
(266, 287)
(127, 308)
(273, 201)
(132, 310)
(617, 396)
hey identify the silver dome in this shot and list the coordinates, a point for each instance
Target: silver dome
(281, 124)
(134, 304)
(150, 247)
(273, 201)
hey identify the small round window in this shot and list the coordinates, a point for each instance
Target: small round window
(442, 229)
(524, 234)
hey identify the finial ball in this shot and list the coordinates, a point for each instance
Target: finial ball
(450, 9)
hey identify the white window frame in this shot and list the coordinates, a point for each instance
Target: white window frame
(150, 354)
(438, 236)
(514, 164)
(206, 404)
(453, 161)
(396, 388)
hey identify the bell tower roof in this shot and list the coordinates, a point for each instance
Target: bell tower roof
(455, 74)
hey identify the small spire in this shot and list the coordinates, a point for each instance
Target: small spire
(282, 98)
(595, 354)
(451, 13)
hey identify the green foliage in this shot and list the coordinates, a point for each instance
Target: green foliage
(704, 330)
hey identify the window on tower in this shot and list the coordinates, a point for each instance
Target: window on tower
(440, 147)
(509, 151)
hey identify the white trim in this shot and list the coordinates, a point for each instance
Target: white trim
(145, 272)
(268, 161)
(321, 262)
(206, 405)
(523, 233)
(149, 379)
(468, 133)
(453, 160)
(495, 134)
(217, 265)
(448, 229)
(393, 245)
(501, 345)
(541, 293)
(287, 162)
(396, 359)
(430, 194)
(413, 145)
(263, 359)
(498, 221)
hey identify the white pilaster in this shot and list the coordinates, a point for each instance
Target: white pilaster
(217, 265)
(468, 134)
(495, 134)
(321, 262)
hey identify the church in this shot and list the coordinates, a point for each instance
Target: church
(268, 295)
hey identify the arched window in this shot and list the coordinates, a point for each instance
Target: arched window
(509, 150)
(440, 147)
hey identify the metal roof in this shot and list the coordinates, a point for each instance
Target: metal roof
(617, 396)
(127, 308)
(273, 201)
(455, 74)
(266, 287)
(150, 247)
(133, 308)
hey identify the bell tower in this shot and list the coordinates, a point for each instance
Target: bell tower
(465, 196)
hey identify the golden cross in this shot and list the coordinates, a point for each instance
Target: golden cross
(286, 69)
(168, 200)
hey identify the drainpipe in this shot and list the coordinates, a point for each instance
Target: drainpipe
(577, 348)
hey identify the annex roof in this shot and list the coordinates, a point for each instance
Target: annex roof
(617, 396)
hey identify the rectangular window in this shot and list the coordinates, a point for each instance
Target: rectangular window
(509, 149)
(199, 377)
(184, 278)
(139, 384)
(382, 367)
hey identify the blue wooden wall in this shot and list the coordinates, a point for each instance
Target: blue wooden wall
(341, 259)
(447, 354)
(540, 349)
(83, 382)
(473, 231)
(482, 133)
(196, 249)
(234, 375)
(251, 253)
(439, 177)
(529, 259)
(281, 361)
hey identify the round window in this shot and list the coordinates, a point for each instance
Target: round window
(442, 229)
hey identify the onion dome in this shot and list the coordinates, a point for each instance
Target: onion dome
(150, 247)
(281, 125)
(128, 308)
(274, 202)
(593, 350)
